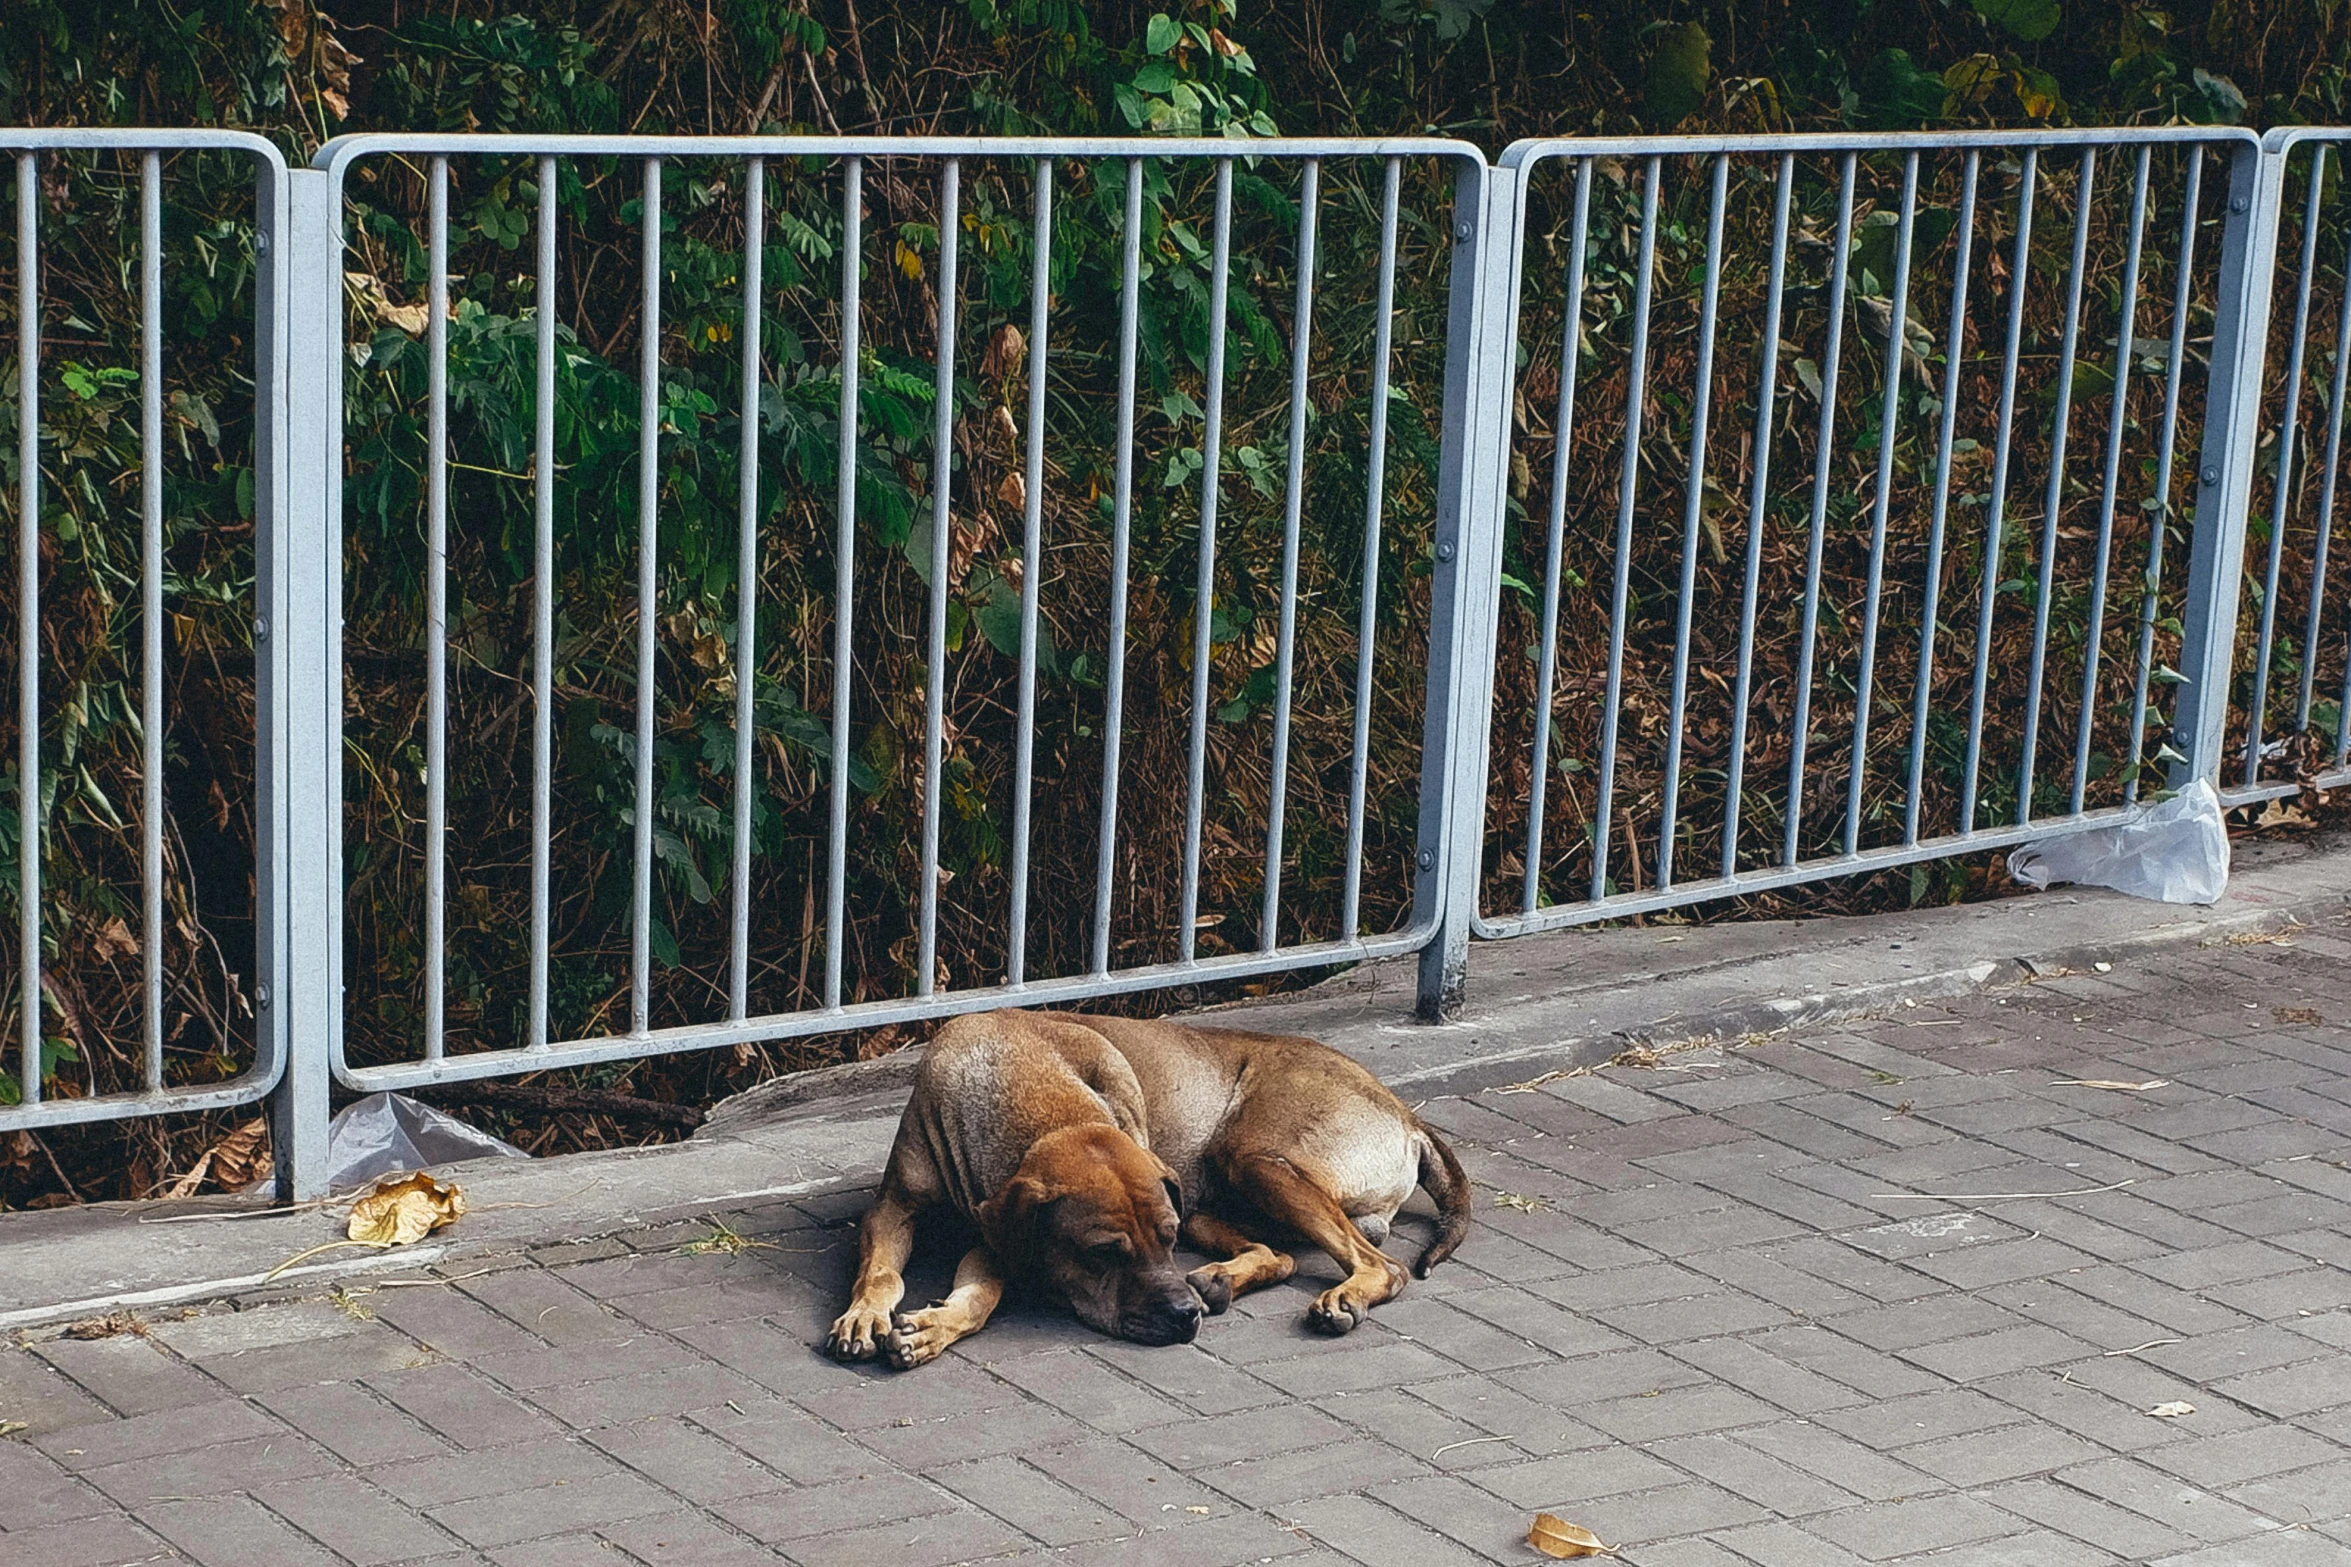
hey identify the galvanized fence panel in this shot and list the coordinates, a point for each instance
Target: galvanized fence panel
(1799, 419)
(129, 966)
(1287, 252)
(2291, 678)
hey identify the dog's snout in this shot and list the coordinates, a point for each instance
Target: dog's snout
(1184, 1314)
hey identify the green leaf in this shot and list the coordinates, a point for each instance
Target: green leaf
(1161, 34)
(2030, 20)
(1897, 95)
(1678, 74)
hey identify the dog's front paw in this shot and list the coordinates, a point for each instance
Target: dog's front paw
(1214, 1289)
(1337, 1311)
(858, 1334)
(916, 1338)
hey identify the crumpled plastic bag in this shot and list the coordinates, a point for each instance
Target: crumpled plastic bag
(2175, 852)
(384, 1133)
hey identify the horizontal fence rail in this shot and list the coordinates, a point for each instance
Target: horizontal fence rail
(1849, 477)
(147, 870)
(697, 592)
(1155, 354)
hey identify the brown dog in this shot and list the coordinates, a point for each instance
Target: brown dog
(1080, 1146)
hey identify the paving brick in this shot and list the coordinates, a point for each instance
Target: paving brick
(1912, 1525)
(91, 1542)
(130, 1373)
(2070, 1512)
(1997, 1354)
(211, 1470)
(152, 1436)
(564, 1506)
(953, 1438)
(352, 1423)
(1921, 1417)
(39, 1491)
(685, 1540)
(462, 1406)
(2189, 1511)
(927, 1541)
(525, 1466)
(1978, 1458)
(355, 1520)
(680, 1456)
(1254, 1433)
(1377, 1535)
(2294, 1390)
(2305, 1496)
(1357, 1464)
(233, 1531)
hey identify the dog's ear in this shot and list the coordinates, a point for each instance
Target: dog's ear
(1008, 1222)
(1175, 1187)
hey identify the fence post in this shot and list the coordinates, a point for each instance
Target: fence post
(2224, 468)
(305, 630)
(1478, 385)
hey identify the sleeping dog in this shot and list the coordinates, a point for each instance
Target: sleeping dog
(1082, 1147)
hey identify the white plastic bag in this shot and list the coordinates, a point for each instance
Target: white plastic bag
(2175, 852)
(384, 1133)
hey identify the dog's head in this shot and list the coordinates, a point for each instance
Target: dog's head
(1092, 1216)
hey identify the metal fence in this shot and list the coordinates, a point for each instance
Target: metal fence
(1730, 379)
(961, 479)
(2292, 674)
(907, 179)
(142, 232)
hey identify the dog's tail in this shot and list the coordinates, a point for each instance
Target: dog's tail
(1441, 1177)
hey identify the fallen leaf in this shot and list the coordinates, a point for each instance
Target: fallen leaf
(1523, 1204)
(404, 1209)
(2108, 1082)
(2172, 1410)
(1555, 1536)
(2307, 1016)
(11, 1427)
(110, 1326)
(114, 940)
(1202, 1511)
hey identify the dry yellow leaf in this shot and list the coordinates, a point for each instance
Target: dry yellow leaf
(404, 1209)
(2148, 1086)
(1555, 1536)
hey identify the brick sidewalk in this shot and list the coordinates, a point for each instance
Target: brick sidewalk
(1694, 1318)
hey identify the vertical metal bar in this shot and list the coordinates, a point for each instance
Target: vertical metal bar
(2326, 514)
(1481, 344)
(28, 621)
(2159, 516)
(1122, 502)
(2019, 274)
(1636, 393)
(2053, 497)
(1374, 496)
(151, 609)
(747, 580)
(648, 545)
(302, 713)
(543, 609)
(1204, 592)
(2224, 496)
(2116, 421)
(297, 1109)
(836, 943)
(2282, 499)
(1285, 644)
(1571, 335)
(1889, 414)
(1823, 461)
(934, 728)
(1032, 566)
(436, 614)
(1766, 396)
(1930, 608)
(1693, 511)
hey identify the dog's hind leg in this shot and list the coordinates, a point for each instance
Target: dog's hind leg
(884, 1242)
(918, 1336)
(1248, 1264)
(1288, 1196)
